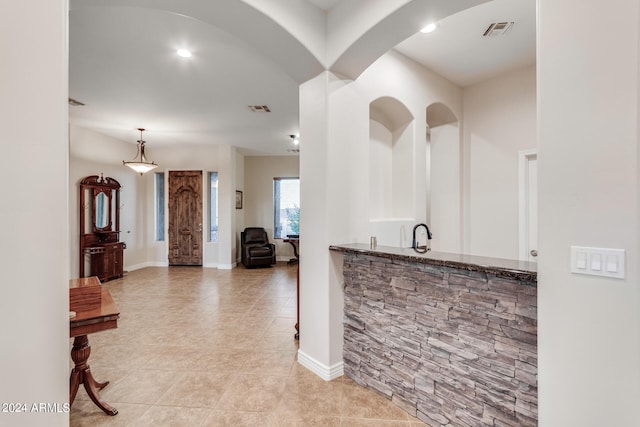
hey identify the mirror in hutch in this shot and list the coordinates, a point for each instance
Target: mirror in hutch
(101, 252)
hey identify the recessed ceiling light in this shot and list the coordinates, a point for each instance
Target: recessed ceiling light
(184, 53)
(429, 28)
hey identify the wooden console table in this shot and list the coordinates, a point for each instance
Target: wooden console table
(85, 323)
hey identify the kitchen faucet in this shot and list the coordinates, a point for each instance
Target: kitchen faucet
(414, 244)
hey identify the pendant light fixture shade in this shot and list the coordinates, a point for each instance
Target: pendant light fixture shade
(140, 164)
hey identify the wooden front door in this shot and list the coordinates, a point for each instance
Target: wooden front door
(185, 218)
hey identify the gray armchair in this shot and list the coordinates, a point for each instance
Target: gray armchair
(256, 249)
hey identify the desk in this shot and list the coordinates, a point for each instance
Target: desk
(293, 241)
(87, 322)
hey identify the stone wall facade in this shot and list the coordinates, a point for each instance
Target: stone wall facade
(450, 346)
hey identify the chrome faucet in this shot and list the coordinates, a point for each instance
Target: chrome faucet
(414, 244)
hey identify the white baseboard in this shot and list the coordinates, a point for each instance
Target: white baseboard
(144, 265)
(325, 372)
(227, 266)
(165, 264)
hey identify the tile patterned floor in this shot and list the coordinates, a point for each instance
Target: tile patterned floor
(207, 347)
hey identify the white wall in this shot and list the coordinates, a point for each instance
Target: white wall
(34, 306)
(240, 213)
(499, 120)
(444, 205)
(227, 185)
(403, 178)
(258, 194)
(588, 188)
(91, 153)
(380, 153)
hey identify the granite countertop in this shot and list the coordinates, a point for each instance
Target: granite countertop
(521, 270)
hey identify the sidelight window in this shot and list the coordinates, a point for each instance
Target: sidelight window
(286, 202)
(213, 206)
(159, 184)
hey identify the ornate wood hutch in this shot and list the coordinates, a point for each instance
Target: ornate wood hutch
(101, 252)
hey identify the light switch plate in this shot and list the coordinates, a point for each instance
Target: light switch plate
(604, 262)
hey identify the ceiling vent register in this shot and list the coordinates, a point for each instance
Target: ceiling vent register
(260, 108)
(497, 29)
(75, 102)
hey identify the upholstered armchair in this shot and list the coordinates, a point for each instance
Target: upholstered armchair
(256, 249)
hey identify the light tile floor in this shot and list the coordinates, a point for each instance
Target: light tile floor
(207, 347)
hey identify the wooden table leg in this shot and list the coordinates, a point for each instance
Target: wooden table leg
(297, 334)
(81, 374)
(295, 253)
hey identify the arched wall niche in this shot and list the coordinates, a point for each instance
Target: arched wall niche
(444, 178)
(391, 166)
(390, 112)
(439, 114)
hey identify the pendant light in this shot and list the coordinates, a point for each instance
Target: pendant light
(141, 165)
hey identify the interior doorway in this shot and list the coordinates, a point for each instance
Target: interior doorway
(185, 218)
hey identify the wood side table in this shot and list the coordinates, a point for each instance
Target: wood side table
(85, 323)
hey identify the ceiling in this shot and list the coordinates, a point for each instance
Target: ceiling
(458, 51)
(123, 67)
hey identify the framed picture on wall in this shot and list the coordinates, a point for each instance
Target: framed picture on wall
(238, 199)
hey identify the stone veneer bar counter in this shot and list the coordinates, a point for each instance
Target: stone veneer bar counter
(450, 338)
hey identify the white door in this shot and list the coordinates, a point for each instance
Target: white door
(528, 205)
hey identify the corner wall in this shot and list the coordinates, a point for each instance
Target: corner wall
(588, 110)
(35, 238)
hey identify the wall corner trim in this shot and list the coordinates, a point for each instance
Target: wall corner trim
(325, 372)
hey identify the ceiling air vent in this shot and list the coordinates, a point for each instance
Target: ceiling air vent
(498, 29)
(259, 108)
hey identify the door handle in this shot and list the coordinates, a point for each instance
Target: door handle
(534, 253)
